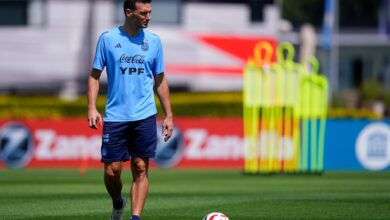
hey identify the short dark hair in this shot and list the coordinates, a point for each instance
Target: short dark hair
(130, 4)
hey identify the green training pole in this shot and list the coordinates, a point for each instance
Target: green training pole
(305, 104)
(285, 55)
(323, 117)
(279, 103)
(312, 67)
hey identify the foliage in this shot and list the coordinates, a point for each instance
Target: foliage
(352, 113)
(303, 11)
(228, 104)
(371, 91)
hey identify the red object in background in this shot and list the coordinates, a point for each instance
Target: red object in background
(240, 47)
(200, 70)
(70, 143)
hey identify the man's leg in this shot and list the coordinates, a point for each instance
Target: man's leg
(113, 182)
(139, 188)
(112, 179)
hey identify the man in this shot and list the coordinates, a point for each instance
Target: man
(133, 58)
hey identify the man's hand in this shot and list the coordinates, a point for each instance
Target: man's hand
(167, 128)
(94, 118)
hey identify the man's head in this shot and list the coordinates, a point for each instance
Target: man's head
(138, 11)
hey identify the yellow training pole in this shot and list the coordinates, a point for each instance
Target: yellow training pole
(251, 116)
(263, 52)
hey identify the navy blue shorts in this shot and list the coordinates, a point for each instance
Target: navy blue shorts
(122, 140)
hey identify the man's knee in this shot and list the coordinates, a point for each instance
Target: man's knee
(113, 169)
(139, 167)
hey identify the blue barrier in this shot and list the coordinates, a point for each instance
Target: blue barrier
(357, 145)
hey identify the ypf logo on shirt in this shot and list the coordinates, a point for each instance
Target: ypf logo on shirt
(373, 146)
(16, 144)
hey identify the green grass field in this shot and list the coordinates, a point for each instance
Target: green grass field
(190, 194)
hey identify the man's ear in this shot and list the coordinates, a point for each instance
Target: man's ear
(128, 12)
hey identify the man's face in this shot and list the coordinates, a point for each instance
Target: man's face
(141, 15)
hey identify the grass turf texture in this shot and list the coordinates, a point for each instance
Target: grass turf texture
(190, 194)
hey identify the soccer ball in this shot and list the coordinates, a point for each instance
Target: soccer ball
(215, 216)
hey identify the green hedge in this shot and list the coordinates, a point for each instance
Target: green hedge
(183, 104)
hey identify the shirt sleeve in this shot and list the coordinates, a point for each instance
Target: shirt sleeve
(99, 62)
(158, 65)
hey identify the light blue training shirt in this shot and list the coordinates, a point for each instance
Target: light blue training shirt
(131, 63)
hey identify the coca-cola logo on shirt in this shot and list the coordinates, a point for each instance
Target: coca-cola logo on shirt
(132, 59)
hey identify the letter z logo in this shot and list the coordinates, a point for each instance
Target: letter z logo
(16, 144)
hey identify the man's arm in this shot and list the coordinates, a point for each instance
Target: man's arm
(162, 90)
(94, 117)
